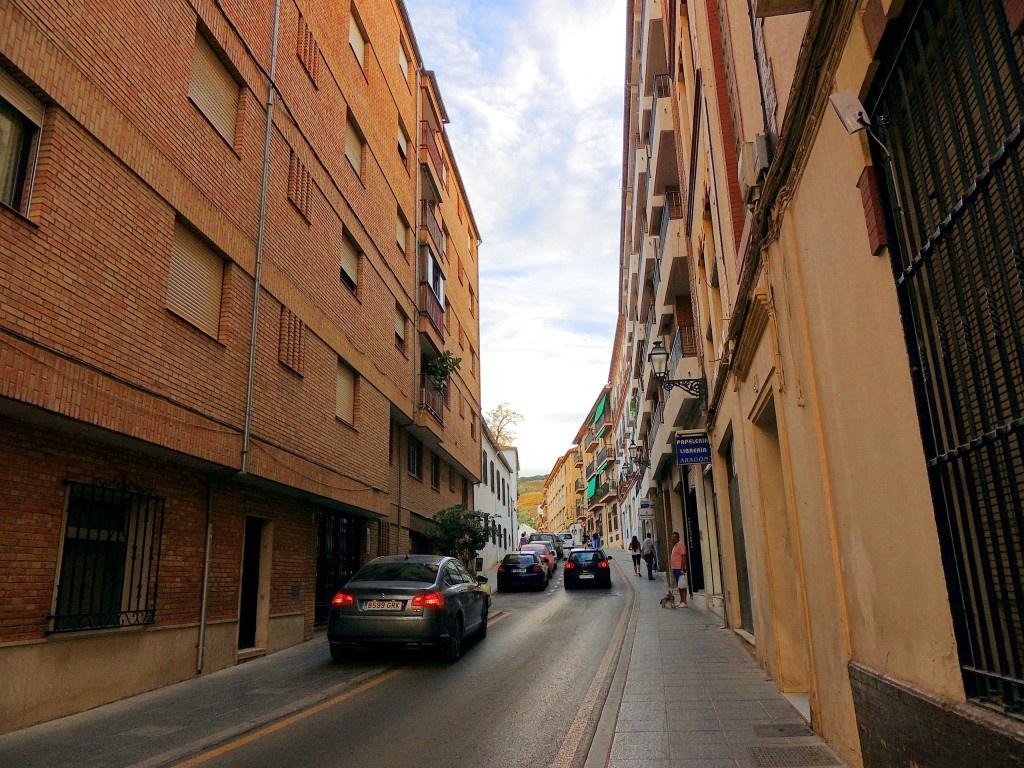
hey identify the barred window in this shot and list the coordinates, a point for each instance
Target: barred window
(110, 560)
(435, 471)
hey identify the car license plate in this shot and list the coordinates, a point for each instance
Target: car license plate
(382, 605)
(586, 575)
(518, 570)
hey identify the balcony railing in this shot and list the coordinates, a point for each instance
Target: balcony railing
(591, 469)
(431, 307)
(432, 225)
(648, 332)
(577, 458)
(580, 486)
(684, 344)
(431, 399)
(656, 420)
(662, 90)
(607, 454)
(673, 210)
(589, 439)
(429, 140)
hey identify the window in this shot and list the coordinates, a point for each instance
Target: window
(462, 335)
(462, 406)
(402, 233)
(435, 277)
(391, 443)
(291, 345)
(357, 39)
(472, 302)
(444, 172)
(462, 272)
(472, 360)
(451, 478)
(21, 117)
(492, 476)
(472, 424)
(403, 146)
(483, 463)
(414, 457)
(349, 257)
(195, 282)
(345, 408)
(444, 241)
(354, 146)
(110, 559)
(435, 471)
(213, 89)
(447, 316)
(465, 492)
(400, 324)
(403, 60)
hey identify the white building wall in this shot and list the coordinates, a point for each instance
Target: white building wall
(495, 498)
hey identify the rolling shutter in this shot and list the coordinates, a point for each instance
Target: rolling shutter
(403, 144)
(354, 147)
(18, 97)
(399, 324)
(403, 61)
(213, 89)
(346, 402)
(349, 261)
(195, 282)
(355, 39)
(401, 233)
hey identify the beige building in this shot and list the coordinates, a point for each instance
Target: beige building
(561, 492)
(821, 218)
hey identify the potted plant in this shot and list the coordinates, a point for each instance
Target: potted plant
(439, 369)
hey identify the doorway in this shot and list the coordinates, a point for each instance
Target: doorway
(695, 552)
(739, 544)
(337, 558)
(254, 604)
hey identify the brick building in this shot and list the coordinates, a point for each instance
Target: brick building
(224, 237)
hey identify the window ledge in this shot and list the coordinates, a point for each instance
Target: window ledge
(19, 215)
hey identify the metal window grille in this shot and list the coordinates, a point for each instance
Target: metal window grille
(110, 560)
(949, 103)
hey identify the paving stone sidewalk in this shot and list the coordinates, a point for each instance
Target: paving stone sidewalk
(691, 695)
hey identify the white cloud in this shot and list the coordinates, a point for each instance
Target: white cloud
(534, 92)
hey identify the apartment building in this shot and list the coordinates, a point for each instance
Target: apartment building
(217, 396)
(563, 489)
(820, 208)
(496, 497)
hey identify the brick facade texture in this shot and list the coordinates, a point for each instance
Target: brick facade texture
(119, 386)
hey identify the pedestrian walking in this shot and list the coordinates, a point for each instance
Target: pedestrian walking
(597, 541)
(678, 561)
(648, 548)
(634, 550)
(523, 539)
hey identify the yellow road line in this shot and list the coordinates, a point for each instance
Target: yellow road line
(232, 745)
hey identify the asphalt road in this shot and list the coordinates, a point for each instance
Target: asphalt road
(527, 695)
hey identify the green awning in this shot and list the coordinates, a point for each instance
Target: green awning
(591, 486)
(600, 409)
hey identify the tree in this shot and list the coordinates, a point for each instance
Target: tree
(459, 532)
(502, 421)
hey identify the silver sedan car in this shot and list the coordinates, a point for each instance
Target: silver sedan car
(410, 601)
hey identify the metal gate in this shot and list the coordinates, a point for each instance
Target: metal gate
(337, 558)
(948, 104)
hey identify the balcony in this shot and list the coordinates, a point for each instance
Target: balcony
(430, 224)
(684, 408)
(430, 307)
(591, 469)
(607, 454)
(603, 422)
(656, 421)
(589, 439)
(609, 489)
(431, 399)
(580, 486)
(577, 458)
(428, 141)
(673, 211)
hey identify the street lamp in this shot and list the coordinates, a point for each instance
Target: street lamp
(658, 357)
(636, 454)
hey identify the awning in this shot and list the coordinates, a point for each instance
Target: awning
(591, 486)
(600, 409)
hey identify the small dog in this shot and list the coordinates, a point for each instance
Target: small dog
(669, 600)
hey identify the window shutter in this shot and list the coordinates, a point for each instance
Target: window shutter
(354, 147)
(195, 282)
(355, 39)
(403, 143)
(403, 61)
(213, 89)
(399, 324)
(401, 233)
(18, 97)
(350, 260)
(346, 402)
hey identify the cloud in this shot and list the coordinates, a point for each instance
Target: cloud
(534, 91)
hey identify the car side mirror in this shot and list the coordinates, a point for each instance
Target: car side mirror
(481, 579)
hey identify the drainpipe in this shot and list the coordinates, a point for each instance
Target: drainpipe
(201, 654)
(271, 88)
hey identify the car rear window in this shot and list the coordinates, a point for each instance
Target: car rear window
(519, 560)
(425, 573)
(585, 557)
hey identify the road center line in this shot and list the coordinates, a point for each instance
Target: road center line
(232, 745)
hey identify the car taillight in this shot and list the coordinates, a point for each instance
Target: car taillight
(343, 598)
(501, 569)
(538, 568)
(433, 600)
(602, 564)
(570, 566)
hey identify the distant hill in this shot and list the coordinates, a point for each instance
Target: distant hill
(531, 493)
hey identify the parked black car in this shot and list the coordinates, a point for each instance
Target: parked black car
(409, 601)
(555, 542)
(587, 567)
(522, 569)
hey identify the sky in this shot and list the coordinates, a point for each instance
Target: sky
(533, 90)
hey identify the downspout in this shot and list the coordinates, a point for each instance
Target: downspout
(201, 653)
(271, 87)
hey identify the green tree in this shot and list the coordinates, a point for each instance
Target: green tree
(458, 532)
(502, 421)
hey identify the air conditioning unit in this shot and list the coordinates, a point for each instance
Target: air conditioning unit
(753, 164)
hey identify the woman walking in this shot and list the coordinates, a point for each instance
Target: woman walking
(634, 550)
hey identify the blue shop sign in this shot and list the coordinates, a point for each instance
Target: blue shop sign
(693, 449)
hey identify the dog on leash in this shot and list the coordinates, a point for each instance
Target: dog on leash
(669, 600)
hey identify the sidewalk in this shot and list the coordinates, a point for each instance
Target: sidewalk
(686, 693)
